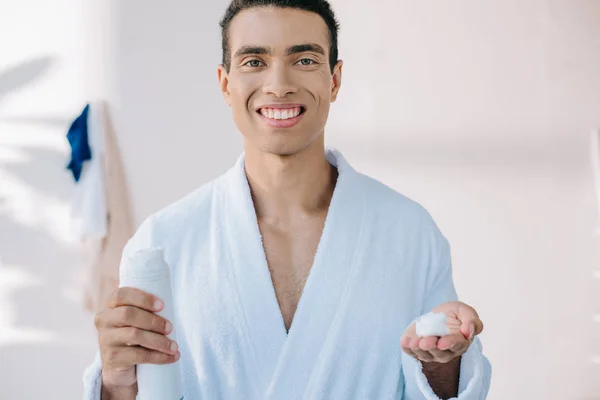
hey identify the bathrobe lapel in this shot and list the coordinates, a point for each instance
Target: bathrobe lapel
(259, 309)
(284, 363)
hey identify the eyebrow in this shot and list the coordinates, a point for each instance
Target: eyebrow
(299, 48)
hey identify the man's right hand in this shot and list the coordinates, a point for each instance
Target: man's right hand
(130, 333)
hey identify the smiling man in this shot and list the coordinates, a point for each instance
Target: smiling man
(294, 275)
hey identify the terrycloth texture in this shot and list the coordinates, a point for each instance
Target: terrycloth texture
(78, 139)
(380, 264)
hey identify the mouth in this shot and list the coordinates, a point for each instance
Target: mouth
(282, 116)
(281, 113)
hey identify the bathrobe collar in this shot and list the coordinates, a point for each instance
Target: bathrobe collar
(284, 361)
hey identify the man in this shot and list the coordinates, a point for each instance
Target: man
(294, 276)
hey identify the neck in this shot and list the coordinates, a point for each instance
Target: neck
(292, 186)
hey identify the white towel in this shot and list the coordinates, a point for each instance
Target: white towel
(381, 263)
(101, 214)
(88, 207)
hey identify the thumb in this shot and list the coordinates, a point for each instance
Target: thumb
(471, 325)
(467, 329)
(471, 328)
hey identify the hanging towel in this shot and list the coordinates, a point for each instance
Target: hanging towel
(88, 207)
(380, 264)
(101, 216)
(78, 139)
(103, 276)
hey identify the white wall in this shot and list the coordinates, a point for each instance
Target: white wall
(46, 338)
(482, 111)
(479, 110)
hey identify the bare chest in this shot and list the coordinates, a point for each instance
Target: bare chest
(290, 255)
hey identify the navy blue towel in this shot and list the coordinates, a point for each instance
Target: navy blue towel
(80, 147)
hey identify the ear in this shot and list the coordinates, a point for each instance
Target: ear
(336, 82)
(224, 83)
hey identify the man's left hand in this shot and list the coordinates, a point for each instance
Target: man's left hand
(464, 325)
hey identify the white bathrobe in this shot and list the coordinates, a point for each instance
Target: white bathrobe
(381, 263)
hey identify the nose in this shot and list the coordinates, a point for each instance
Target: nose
(278, 81)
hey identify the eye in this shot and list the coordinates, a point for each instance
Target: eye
(254, 63)
(306, 62)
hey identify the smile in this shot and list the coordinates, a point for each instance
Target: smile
(282, 116)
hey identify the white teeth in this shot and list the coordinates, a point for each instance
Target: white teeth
(280, 114)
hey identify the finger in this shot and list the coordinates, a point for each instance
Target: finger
(130, 336)
(408, 351)
(442, 356)
(408, 336)
(466, 312)
(471, 323)
(451, 342)
(423, 355)
(471, 328)
(127, 296)
(414, 343)
(478, 327)
(460, 345)
(405, 342)
(419, 354)
(412, 354)
(129, 356)
(428, 343)
(138, 318)
(453, 321)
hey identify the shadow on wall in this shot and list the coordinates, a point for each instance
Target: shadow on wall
(42, 322)
(19, 77)
(46, 329)
(46, 338)
(23, 74)
(44, 171)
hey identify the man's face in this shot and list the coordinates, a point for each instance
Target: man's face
(280, 84)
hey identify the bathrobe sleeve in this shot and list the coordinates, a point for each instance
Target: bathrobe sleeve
(475, 369)
(92, 376)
